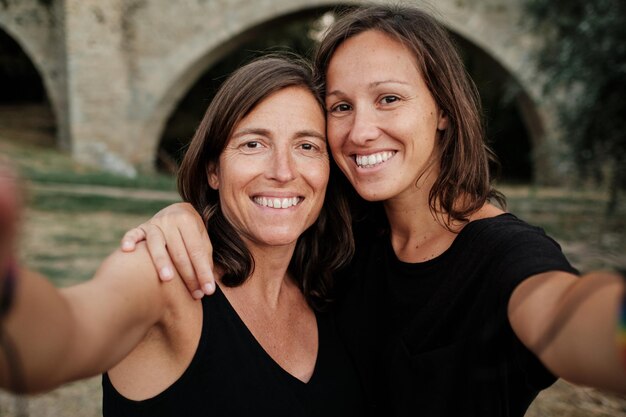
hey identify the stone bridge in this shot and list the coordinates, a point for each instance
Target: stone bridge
(115, 70)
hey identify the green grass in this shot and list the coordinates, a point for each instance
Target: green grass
(46, 165)
(153, 182)
(72, 203)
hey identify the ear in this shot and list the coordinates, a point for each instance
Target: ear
(212, 171)
(442, 123)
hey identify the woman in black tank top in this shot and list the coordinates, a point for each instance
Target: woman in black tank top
(258, 169)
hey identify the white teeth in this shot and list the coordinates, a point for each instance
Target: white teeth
(368, 161)
(278, 203)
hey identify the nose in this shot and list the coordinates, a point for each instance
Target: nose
(364, 126)
(283, 167)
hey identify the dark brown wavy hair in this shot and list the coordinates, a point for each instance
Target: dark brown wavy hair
(464, 182)
(325, 246)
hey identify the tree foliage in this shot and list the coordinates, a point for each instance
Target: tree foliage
(584, 55)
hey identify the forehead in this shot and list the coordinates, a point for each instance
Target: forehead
(371, 53)
(291, 106)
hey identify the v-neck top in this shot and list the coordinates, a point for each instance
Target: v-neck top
(232, 375)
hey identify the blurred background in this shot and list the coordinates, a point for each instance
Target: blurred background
(98, 100)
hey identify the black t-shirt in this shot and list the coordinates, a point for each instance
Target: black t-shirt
(232, 375)
(433, 338)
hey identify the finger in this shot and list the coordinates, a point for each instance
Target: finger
(182, 262)
(155, 240)
(132, 237)
(199, 248)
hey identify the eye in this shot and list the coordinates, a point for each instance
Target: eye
(253, 144)
(311, 147)
(389, 99)
(340, 108)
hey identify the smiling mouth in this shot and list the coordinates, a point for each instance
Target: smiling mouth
(277, 203)
(372, 160)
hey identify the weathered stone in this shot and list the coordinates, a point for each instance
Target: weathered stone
(114, 71)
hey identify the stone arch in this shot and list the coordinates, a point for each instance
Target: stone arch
(187, 77)
(31, 25)
(25, 109)
(497, 30)
(493, 29)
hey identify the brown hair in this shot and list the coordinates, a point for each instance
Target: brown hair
(325, 246)
(464, 182)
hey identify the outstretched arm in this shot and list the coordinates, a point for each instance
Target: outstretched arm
(50, 336)
(57, 336)
(177, 240)
(571, 324)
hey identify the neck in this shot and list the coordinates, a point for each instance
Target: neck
(409, 213)
(411, 221)
(417, 233)
(270, 276)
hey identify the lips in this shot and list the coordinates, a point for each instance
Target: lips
(276, 202)
(374, 159)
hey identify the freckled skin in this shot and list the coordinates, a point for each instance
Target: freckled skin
(278, 150)
(378, 101)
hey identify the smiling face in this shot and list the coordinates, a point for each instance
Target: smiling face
(383, 123)
(273, 172)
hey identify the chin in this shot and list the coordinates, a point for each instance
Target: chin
(373, 195)
(280, 239)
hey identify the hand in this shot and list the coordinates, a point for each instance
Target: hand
(177, 238)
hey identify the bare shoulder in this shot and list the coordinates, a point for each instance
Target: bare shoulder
(171, 343)
(134, 273)
(129, 264)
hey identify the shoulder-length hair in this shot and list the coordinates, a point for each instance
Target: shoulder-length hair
(464, 182)
(324, 247)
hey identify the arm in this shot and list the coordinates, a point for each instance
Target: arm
(68, 334)
(571, 324)
(177, 238)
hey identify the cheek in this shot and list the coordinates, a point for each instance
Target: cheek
(335, 131)
(334, 142)
(320, 175)
(317, 175)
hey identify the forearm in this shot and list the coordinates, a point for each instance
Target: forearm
(577, 337)
(37, 333)
(64, 335)
(586, 351)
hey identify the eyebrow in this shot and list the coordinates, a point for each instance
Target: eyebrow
(371, 85)
(251, 131)
(265, 132)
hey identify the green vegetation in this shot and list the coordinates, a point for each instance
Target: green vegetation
(72, 203)
(584, 55)
(48, 165)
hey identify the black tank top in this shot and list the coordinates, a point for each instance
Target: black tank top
(232, 375)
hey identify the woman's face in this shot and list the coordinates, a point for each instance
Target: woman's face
(273, 172)
(383, 122)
